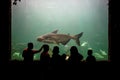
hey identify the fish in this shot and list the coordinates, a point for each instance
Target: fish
(55, 38)
(97, 55)
(84, 44)
(16, 56)
(103, 52)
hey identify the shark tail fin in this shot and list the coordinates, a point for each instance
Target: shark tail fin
(76, 38)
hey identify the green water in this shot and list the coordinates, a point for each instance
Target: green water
(32, 18)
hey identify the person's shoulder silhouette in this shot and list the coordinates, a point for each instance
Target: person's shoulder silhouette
(45, 57)
(90, 58)
(63, 59)
(55, 57)
(75, 56)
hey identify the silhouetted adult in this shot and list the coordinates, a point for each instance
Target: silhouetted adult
(75, 56)
(45, 57)
(90, 58)
(55, 57)
(28, 53)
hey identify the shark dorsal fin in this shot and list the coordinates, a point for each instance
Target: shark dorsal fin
(55, 31)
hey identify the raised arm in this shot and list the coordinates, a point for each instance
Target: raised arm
(36, 51)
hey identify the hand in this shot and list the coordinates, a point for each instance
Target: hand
(41, 48)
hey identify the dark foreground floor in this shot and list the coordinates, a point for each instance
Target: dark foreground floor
(18, 69)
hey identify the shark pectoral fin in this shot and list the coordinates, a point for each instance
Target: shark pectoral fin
(62, 43)
(55, 42)
(65, 42)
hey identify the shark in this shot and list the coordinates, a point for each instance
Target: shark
(55, 38)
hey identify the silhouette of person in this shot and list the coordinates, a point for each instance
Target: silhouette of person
(63, 59)
(90, 58)
(55, 57)
(28, 53)
(45, 57)
(75, 56)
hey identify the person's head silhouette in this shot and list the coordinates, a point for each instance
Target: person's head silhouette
(90, 58)
(30, 45)
(90, 52)
(73, 50)
(56, 50)
(45, 47)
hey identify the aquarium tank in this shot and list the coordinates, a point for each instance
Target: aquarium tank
(80, 23)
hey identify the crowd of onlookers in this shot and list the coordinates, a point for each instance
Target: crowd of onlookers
(56, 59)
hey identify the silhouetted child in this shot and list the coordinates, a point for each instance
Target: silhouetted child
(55, 57)
(75, 56)
(90, 58)
(63, 59)
(45, 57)
(28, 53)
